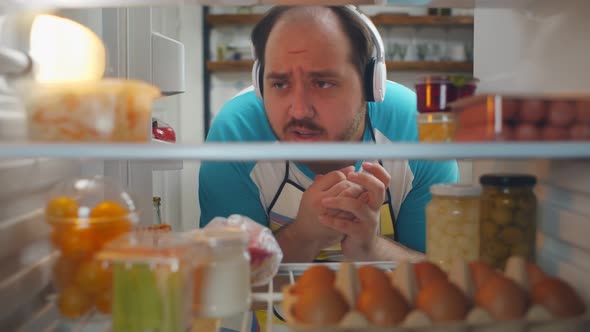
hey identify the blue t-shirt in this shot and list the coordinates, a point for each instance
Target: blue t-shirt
(259, 190)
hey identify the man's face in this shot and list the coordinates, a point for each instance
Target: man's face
(312, 91)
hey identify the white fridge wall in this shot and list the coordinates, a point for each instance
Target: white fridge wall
(544, 48)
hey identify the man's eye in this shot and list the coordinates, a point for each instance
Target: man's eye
(279, 85)
(324, 84)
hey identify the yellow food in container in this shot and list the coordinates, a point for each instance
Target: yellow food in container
(436, 127)
(110, 110)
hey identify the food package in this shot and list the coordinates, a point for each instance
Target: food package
(84, 215)
(265, 252)
(109, 110)
(522, 118)
(421, 297)
(152, 281)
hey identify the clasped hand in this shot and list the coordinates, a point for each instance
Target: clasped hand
(344, 206)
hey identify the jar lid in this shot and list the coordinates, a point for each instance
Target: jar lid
(225, 236)
(454, 189)
(511, 180)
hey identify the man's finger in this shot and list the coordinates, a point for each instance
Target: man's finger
(327, 180)
(352, 205)
(343, 226)
(372, 185)
(378, 171)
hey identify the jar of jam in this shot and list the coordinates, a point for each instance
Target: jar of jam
(452, 224)
(434, 93)
(508, 217)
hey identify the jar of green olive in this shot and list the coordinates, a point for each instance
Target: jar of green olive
(508, 217)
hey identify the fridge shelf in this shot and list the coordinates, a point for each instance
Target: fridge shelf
(300, 151)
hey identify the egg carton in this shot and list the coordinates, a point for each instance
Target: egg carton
(523, 117)
(536, 319)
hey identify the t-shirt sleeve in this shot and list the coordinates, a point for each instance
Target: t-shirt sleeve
(226, 188)
(411, 221)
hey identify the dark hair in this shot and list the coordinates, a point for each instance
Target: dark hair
(361, 43)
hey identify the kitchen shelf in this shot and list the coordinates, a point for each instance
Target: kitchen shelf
(300, 151)
(432, 66)
(380, 19)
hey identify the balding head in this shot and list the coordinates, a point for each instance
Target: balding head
(328, 20)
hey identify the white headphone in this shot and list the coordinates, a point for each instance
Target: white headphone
(375, 72)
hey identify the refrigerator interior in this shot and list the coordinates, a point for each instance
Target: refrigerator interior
(518, 48)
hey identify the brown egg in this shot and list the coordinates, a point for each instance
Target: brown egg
(373, 277)
(535, 274)
(580, 132)
(527, 132)
(532, 111)
(480, 272)
(583, 112)
(558, 297)
(317, 276)
(561, 113)
(551, 133)
(382, 306)
(502, 298)
(510, 109)
(323, 306)
(442, 301)
(427, 272)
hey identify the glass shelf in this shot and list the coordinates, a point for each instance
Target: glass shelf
(299, 151)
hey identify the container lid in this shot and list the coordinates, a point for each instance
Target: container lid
(83, 201)
(454, 189)
(149, 247)
(220, 237)
(510, 180)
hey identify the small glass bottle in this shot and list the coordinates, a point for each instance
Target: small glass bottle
(452, 224)
(222, 278)
(508, 217)
(156, 210)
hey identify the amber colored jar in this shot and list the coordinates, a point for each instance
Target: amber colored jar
(508, 217)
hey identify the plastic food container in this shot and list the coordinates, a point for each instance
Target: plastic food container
(84, 214)
(523, 118)
(222, 277)
(152, 281)
(102, 111)
(508, 217)
(436, 127)
(452, 224)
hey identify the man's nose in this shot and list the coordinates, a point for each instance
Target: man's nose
(300, 107)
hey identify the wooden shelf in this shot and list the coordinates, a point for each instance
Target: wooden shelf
(396, 19)
(436, 66)
(380, 19)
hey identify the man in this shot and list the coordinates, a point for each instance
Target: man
(312, 64)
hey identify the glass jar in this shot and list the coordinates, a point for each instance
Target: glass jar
(508, 217)
(436, 127)
(222, 280)
(452, 224)
(433, 93)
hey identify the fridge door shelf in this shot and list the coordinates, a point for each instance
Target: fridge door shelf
(299, 151)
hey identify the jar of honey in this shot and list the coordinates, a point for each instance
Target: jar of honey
(508, 217)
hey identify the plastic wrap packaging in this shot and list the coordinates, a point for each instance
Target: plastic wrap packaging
(265, 252)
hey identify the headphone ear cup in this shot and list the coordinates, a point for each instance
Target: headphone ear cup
(256, 81)
(379, 81)
(368, 80)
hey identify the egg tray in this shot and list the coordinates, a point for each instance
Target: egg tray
(536, 319)
(522, 118)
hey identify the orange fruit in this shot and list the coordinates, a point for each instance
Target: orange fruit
(75, 243)
(92, 278)
(108, 209)
(62, 207)
(72, 303)
(64, 271)
(103, 302)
